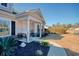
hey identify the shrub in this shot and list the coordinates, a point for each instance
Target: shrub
(43, 43)
(61, 29)
(39, 53)
(7, 46)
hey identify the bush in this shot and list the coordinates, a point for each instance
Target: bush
(44, 43)
(39, 53)
(7, 46)
(58, 29)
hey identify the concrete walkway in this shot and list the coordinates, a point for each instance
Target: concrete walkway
(56, 51)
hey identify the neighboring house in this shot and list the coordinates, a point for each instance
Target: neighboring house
(29, 22)
(77, 29)
(46, 27)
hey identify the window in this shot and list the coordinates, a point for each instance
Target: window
(4, 27)
(4, 4)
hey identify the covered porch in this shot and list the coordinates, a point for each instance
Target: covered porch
(29, 25)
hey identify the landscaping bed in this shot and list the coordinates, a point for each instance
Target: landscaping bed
(11, 47)
(31, 48)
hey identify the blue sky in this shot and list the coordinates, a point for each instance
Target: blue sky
(54, 13)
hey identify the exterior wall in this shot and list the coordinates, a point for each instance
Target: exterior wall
(8, 17)
(32, 26)
(35, 17)
(21, 26)
(35, 21)
(9, 7)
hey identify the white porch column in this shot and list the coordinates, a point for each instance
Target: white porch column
(40, 30)
(28, 30)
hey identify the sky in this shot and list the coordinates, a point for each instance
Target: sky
(53, 13)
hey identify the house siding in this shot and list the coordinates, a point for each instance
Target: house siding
(21, 26)
(21, 20)
(7, 15)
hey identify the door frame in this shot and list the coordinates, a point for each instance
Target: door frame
(13, 28)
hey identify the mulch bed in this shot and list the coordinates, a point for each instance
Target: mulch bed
(30, 49)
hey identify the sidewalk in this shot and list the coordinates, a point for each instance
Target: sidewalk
(56, 51)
